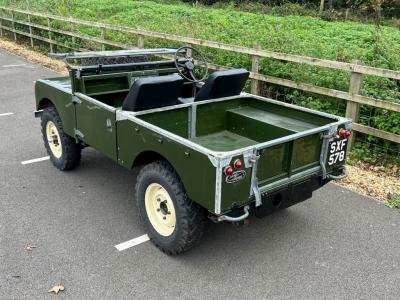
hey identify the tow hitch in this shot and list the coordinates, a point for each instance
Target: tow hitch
(235, 219)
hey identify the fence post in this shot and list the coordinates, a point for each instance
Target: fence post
(347, 14)
(13, 25)
(353, 108)
(73, 30)
(189, 51)
(140, 41)
(255, 68)
(50, 35)
(1, 21)
(103, 36)
(321, 6)
(29, 22)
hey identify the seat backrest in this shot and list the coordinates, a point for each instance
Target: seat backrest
(223, 84)
(153, 92)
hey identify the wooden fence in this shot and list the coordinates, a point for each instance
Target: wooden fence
(352, 97)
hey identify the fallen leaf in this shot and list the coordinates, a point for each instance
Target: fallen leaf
(30, 247)
(56, 289)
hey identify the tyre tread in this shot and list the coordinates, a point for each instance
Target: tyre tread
(71, 150)
(192, 216)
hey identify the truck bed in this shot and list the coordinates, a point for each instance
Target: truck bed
(245, 122)
(235, 124)
(224, 140)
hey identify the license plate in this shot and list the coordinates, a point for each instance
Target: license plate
(337, 151)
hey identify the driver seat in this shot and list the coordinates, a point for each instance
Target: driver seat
(223, 84)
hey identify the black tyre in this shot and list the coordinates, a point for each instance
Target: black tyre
(64, 152)
(173, 222)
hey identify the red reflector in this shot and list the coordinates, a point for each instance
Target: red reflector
(238, 164)
(228, 171)
(344, 133)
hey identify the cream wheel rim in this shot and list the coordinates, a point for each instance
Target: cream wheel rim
(53, 138)
(160, 209)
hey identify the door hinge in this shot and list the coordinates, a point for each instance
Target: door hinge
(76, 100)
(109, 124)
(79, 134)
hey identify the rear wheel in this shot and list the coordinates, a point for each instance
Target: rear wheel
(64, 152)
(173, 222)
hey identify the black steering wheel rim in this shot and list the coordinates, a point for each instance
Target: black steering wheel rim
(190, 64)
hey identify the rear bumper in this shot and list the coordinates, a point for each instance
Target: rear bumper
(288, 196)
(278, 199)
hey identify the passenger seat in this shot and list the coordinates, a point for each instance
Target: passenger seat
(153, 92)
(223, 84)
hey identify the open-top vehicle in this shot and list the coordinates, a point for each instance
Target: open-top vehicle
(204, 148)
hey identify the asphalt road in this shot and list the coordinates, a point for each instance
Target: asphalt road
(338, 245)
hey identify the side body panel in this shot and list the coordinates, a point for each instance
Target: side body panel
(195, 169)
(96, 125)
(58, 92)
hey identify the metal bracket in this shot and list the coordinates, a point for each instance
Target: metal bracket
(248, 158)
(349, 126)
(219, 164)
(78, 74)
(322, 158)
(254, 184)
(76, 100)
(79, 134)
(38, 113)
(109, 124)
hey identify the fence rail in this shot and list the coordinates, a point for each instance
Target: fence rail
(352, 97)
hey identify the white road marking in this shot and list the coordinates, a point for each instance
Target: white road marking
(6, 114)
(128, 244)
(13, 66)
(31, 161)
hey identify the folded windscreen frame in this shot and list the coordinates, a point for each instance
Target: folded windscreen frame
(94, 59)
(90, 61)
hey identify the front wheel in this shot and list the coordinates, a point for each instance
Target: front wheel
(64, 152)
(173, 222)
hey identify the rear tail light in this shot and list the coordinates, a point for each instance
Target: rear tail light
(238, 164)
(228, 171)
(344, 133)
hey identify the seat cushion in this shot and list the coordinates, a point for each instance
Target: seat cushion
(223, 84)
(153, 92)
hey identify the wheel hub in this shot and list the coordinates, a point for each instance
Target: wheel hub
(160, 209)
(54, 140)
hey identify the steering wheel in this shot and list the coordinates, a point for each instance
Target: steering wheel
(194, 70)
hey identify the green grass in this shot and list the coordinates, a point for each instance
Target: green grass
(294, 34)
(394, 202)
(302, 35)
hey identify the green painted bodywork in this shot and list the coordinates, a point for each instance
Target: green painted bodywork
(58, 92)
(194, 168)
(220, 126)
